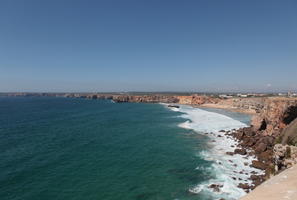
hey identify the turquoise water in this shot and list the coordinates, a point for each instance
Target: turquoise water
(59, 148)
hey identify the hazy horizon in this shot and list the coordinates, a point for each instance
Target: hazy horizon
(159, 92)
(148, 46)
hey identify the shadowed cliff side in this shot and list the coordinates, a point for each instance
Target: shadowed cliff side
(290, 134)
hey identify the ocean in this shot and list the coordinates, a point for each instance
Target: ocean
(67, 148)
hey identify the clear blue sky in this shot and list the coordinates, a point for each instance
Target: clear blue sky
(152, 45)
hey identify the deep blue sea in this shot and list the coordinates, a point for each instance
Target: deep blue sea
(67, 149)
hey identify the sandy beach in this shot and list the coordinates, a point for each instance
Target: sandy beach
(227, 107)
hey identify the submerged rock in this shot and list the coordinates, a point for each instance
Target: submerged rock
(215, 187)
(173, 106)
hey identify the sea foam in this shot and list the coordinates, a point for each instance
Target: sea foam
(228, 170)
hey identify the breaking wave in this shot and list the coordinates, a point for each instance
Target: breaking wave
(229, 171)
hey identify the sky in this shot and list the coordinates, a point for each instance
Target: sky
(148, 45)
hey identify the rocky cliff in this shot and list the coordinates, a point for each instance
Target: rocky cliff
(189, 100)
(275, 115)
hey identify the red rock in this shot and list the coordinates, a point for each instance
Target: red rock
(258, 165)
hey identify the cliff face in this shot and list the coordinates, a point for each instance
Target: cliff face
(278, 120)
(189, 100)
(275, 115)
(145, 99)
(289, 134)
(196, 100)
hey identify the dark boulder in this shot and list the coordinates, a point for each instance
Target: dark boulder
(173, 106)
(261, 147)
(248, 132)
(266, 156)
(248, 142)
(258, 165)
(215, 187)
(240, 151)
(244, 186)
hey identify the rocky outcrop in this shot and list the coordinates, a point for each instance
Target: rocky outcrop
(275, 123)
(240, 151)
(260, 146)
(285, 156)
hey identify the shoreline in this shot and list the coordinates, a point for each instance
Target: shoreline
(261, 160)
(233, 169)
(283, 183)
(263, 148)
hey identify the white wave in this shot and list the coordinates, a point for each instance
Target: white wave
(205, 121)
(229, 170)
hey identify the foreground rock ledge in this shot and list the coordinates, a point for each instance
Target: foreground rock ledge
(279, 187)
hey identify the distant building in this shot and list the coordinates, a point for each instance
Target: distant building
(224, 96)
(242, 95)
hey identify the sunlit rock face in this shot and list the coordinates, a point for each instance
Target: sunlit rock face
(275, 115)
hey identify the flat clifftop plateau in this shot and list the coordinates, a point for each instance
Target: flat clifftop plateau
(245, 105)
(281, 186)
